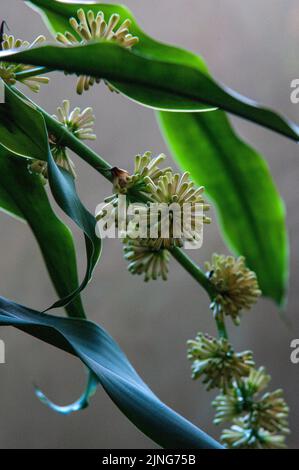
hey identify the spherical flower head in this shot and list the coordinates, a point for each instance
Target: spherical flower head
(90, 27)
(241, 436)
(146, 260)
(9, 71)
(188, 216)
(271, 412)
(215, 361)
(236, 285)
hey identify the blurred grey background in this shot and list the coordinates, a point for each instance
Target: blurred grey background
(251, 47)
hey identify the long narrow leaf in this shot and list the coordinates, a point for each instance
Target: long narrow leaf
(120, 380)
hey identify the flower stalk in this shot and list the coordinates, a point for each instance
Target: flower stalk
(258, 422)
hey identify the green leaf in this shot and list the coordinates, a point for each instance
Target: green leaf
(35, 139)
(28, 200)
(101, 354)
(237, 180)
(64, 191)
(8, 205)
(154, 74)
(20, 127)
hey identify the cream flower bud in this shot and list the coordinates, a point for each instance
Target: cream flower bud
(92, 27)
(228, 406)
(216, 361)
(9, 71)
(173, 188)
(80, 123)
(237, 286)
(145, 259)
(257, 381)
(271, 412)
(269, 440)
(240, 436)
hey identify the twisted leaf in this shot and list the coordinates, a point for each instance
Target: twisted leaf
(101, 354)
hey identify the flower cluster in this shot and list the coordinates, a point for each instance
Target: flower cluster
(173, 188)
(259, 419)
(258, 422)
(236, 285)
(91, 28)
(216, 361)
(80, 123)
(174, 212)
(9, 72)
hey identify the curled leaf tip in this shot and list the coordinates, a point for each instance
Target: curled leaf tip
(78, 405)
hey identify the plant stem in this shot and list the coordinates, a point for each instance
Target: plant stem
(220, 324)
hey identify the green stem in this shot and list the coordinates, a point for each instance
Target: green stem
(221, 328)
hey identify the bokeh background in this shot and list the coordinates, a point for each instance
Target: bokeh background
(251, 47)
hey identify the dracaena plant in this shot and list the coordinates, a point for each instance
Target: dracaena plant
(99, 42)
